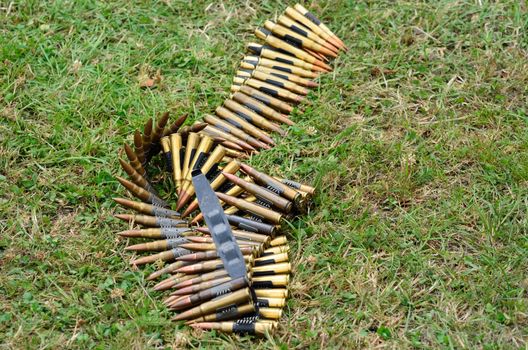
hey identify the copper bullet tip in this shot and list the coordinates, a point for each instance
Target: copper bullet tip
(197, 219)
(202, 325)
(188, 211)
(203, 229)
(183, 200)
(181, 303)
(127, 233)
(323, 65)
(125, 217)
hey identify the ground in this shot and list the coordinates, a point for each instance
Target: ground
(417, 144)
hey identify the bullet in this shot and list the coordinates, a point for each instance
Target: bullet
(157, 246)
(134, 161)
(201, 239)
(271, 302)
(171, 299)
(275, 250)
(200, 247)
(168, 255)
(296, 185)
(175, 126)
(166, 148)
(210, 293)
(273, 80)
(289, 49)
(286, 76)
(169, 269)
(157, 233)
(136, 177)
(232, 191)
(150, 220)
(200, 156)
(202, 278)
(271, 259)
(311, 17)
(262, 203)
(138, 147)
(304, 31)
(168, 280)
(266, 98)
(272, 184)
(201, 286)
(260, 108)
(245, 205)
(212, 161)
(275, 54)
(238, 297)
(256, 328)
(297, 39)
(242, 235)
(147, 137)
(299, 17)
(190, 149)
(269, 38)
(231, 146)
(241, 123)
(272, 313)
(252, 117)
(141, 193)
(159, 129)
(214, 131)
(269, 89)
(227, 127)
(315, 54)
(277, 201)
(208, 266)
(260, 61)
(176, 152)
(148, 209)
(250, 225)
(280, 240)
(172, 281)
(231, 168)
(280, 293)
(256, 244)
(213, 254)
(195, 128)
(275, 269)
(230, 313)
(234, 209)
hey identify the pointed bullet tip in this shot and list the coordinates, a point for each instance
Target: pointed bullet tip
(151, 277)
(202, 325)
(187, 212)
(122, 216)
(157, 288)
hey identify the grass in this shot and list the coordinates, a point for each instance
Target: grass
(418, 145)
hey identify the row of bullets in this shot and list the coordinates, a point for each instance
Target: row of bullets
(270, 80)
(255, 204)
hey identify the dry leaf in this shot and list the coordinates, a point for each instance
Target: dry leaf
(76, 66)
(146, 79)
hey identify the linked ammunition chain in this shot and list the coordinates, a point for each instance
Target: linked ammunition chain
(249, 298)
